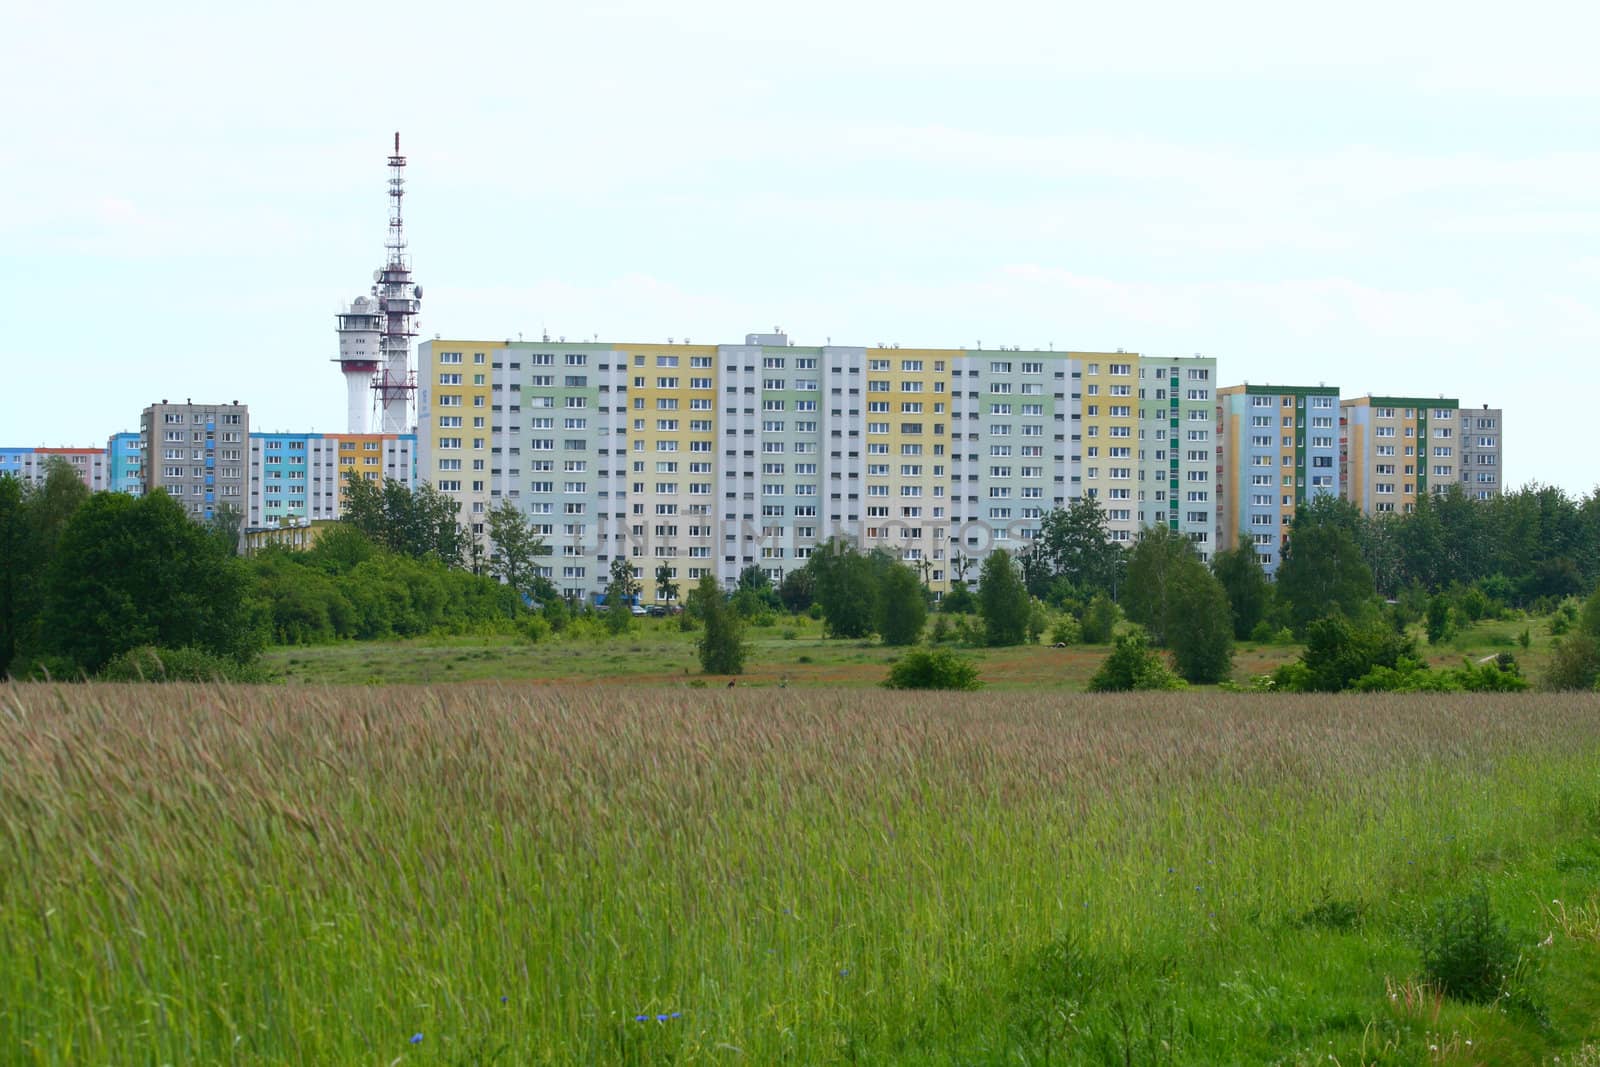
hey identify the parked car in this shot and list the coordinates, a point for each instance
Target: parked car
(658, 611)
(638, 609)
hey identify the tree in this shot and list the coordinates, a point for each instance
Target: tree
(798, 590)
(420, 523)
(136, 571)
(1100, 620)
(516, 551)
(227, 525)
(721, 642)
(1322, 569)
(1003, 600)
(1245, 583)
(666, 587)
(903, 607)
(1074, 544)
(1201, 627)
(19, 564)
(1339, 651)
(1153, 569)
(621, 592)
(1438, 618)
(847, 589)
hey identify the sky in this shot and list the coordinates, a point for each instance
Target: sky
(1392, 197)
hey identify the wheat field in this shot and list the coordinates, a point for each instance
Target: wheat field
(524, 874)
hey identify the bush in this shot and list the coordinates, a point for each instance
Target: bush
(932, 669)
(1262, 633)
(1099, 620)
(958, 601)
(1466, 949)
(1066, 631)
(941, 630)
(150, 664)
(1574, 663)
(1133, 666)
(535, 628)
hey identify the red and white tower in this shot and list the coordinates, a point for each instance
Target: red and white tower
(375, 333)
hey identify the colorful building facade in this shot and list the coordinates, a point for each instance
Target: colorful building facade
(1395, 449)
(1279, 451)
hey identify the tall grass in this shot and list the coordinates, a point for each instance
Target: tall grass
(201, 875)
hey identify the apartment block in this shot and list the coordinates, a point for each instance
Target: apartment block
(1279, 450)
(1481, 454)
(301, 476)
(198, 454)
(695, 459)
(1112, 468)
(31, 465)
(1394, 449)
(1179, 475)
(125, 463)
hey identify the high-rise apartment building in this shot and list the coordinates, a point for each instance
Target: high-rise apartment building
(1279, 450)
(1395, 449)
(693, 459)
(31, 465)
(302, 475)
(1179, 474)
(1481, 451)
(125, 463)
(198, 453)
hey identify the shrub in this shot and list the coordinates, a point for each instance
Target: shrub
(1133, 666)
(535, 628)
(941, 630)
(1066, 631)
(1467, 950)
(1574, 663)
(150, 664)
(932, 669)
(1099, 620)
(1262, 633)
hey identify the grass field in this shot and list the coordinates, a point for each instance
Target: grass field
(543, 874)
(792, 653)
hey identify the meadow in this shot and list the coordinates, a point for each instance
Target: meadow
(792, 652)
(540, 874)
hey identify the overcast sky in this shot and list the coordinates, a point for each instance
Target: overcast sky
(1391, 197)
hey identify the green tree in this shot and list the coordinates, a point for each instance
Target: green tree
(721, 642)
(1074, 544)
(227, 525)
(903, 607)
(136, 571)
(847, 589)
(1003, 600)
(1100, 620)
(1245, 583)
(798, 590)
(620, 593)
(1339, 651)
(1323, 570)
(1153, 569)
(420, 523)
(1438, 618)
(19, 563)
(1201, 626)
(666, 585)
(514, 553)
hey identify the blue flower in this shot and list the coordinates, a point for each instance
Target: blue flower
(662, 1018)
(641, 1018)
(416, 1038)
(502, 1000)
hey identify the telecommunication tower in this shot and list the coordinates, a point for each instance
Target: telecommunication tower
(375, 333)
